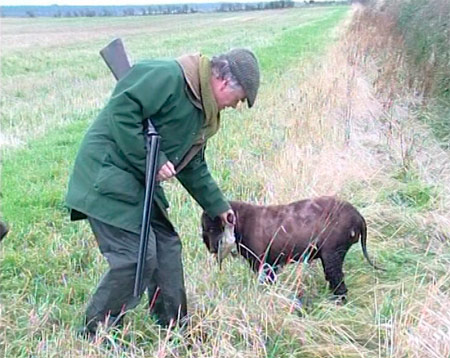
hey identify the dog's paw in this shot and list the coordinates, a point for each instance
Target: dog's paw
(339, 300)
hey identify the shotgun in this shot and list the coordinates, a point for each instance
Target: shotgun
(116, 58)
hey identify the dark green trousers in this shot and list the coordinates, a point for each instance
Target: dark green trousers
(163, 276)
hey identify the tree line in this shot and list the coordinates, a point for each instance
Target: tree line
(93, 11)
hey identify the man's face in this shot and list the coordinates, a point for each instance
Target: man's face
(225, 95)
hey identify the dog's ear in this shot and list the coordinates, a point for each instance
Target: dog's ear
(208, 222)
(206, 240)
(202, 219)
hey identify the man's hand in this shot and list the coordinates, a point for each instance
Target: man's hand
(166, 172)
(228, 217)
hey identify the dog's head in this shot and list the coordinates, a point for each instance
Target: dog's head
(219, 238)
(212, 232)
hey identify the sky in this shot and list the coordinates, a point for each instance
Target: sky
(110, 2)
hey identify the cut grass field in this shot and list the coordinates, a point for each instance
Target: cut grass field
(318, 128)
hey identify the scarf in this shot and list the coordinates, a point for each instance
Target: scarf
(197, 73)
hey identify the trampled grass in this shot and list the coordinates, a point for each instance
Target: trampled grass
(318, 128)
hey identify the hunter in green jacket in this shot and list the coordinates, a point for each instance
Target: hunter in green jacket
(183, 98)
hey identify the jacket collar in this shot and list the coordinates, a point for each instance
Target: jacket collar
(190, 67)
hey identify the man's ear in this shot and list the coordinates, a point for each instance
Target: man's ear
(223, 84)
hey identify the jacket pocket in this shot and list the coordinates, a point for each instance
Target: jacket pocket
(118, 184)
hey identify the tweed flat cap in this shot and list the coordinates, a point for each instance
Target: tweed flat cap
(244, 66)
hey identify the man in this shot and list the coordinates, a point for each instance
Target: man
(183, 98)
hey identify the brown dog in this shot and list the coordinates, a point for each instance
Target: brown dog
(323, 227)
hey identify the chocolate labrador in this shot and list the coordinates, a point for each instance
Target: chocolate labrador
(323, 228)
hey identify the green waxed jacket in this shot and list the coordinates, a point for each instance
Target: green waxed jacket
(107, 182)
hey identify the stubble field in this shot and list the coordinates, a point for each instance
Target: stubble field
(319, 128)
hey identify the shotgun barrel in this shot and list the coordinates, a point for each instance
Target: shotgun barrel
(116, 58)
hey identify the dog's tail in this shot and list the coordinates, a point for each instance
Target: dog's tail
(364, 243)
